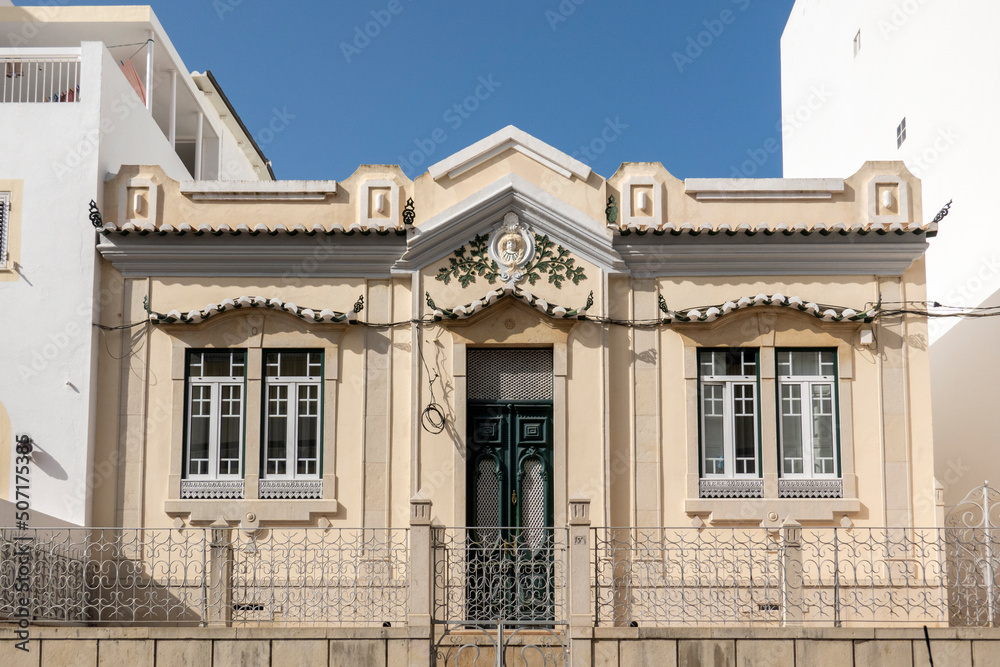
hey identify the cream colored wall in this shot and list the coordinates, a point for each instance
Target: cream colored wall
(848, 207)
(626, 400)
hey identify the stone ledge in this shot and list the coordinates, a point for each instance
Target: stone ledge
(195, 511)
(756, 509)
(215, 633)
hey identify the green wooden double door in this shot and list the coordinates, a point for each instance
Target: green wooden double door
(510, 511)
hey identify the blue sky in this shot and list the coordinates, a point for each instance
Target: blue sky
(694, 85)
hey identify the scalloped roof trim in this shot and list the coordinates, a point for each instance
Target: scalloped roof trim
(825, 313)
(324, 316)
(510, 290)
(770, 229)
(142, 229)
(694, 315)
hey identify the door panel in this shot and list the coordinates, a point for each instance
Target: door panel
(509, 510)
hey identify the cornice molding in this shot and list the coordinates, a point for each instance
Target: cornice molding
(726, 256)
(209, 256)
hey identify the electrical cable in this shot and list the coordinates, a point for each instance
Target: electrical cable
(432, 418)
(141, 45)
(104, 327)
(958, 311)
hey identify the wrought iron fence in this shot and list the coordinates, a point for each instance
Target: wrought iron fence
(308, 576)
(487, 576)
(825, 576)
(495, 578)
(52, 77)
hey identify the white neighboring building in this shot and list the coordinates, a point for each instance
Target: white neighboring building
(69, 118)
(915, 80)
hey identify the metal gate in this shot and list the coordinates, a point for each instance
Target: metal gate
(500, 584)
(973, 552)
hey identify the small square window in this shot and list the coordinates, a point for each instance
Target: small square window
(857, 43)
(901, 132)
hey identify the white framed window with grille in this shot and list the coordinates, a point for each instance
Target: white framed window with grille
(216, 390)
(4, 230)
(808, 413)
(728, 384)
(293, 413)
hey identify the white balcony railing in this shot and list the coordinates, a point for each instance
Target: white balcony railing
(33, 76)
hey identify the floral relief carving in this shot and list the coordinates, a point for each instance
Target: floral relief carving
(472, 261)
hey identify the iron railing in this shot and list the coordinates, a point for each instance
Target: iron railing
(491, 578)
(793, 575)
(50, 77)
(335, 576)
(490, 575)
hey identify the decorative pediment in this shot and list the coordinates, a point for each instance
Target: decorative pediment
(509, 138)
(511, 254)
(484, 211)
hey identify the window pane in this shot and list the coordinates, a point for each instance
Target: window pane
(739, 362)
(277, 429)
(805, 363)
(822, 406)
(220, 364)
(745, 429)
(784, 362)
(826, 362)
(230, 429)
(308, 429)
(791, 429)
(711, 362)
(315, 364)
(714, 429)
(271, 364)
(293, 364)
(201, 420)
(195, 364)
(810, 363)
(734, 362)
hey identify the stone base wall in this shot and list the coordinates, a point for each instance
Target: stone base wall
(400, 647)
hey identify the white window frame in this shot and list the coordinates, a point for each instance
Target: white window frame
(216, 386)
(292, 385)
(4, 230)
(806, 383)
(730, 384)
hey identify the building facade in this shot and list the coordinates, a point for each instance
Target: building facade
(890, 80)
(509, 331)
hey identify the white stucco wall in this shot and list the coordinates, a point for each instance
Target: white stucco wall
(918, 60)
(926, 60)
(62, 154)
(234, 163)
(128, 133)
(46, 327)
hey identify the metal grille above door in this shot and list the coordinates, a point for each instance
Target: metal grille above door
(499, 374)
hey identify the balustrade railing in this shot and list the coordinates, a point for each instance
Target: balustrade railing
(793, 576)
(336, 576)
(546, 578)
(31, 78)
